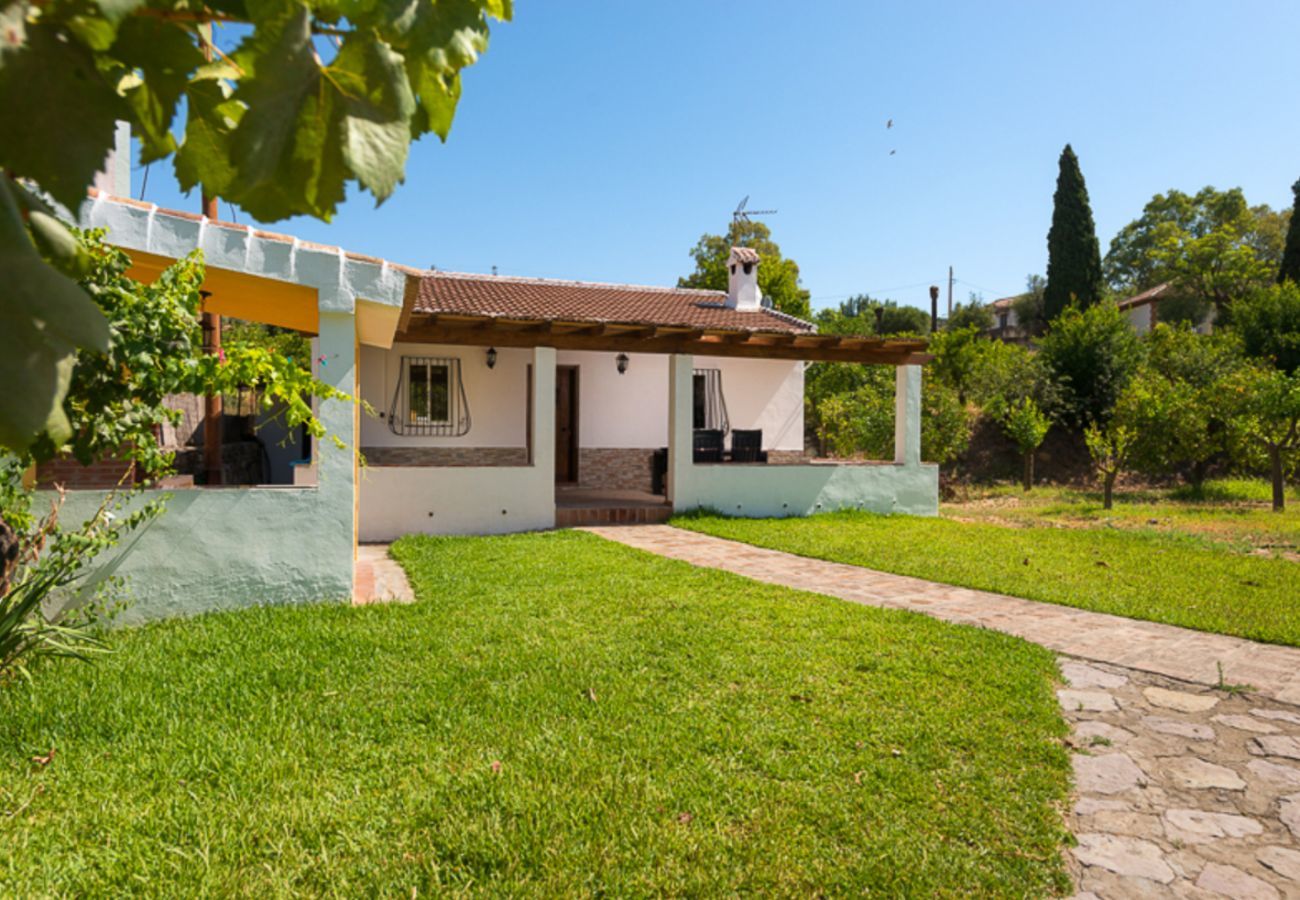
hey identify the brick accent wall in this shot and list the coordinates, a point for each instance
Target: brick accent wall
(614, 468)
(445, 456)
(100, 475)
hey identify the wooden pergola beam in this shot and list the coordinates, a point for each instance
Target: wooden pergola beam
(630, 338)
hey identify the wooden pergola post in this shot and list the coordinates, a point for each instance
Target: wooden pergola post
(212, 403)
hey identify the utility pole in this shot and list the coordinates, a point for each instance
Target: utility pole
(212, 418)
(950, 293)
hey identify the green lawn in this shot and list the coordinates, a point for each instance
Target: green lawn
(1174, 575)
(555, 716)
(1229, 514)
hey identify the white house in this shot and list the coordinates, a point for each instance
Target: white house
(500, 404)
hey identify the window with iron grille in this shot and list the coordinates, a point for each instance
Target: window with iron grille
(710, 406)
(430, 398)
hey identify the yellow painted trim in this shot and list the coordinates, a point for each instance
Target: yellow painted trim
(243, 296)
(356, 445)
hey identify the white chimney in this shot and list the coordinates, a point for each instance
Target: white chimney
(742, 280)
(115, 177)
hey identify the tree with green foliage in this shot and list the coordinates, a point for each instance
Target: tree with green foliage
(1212, 247)
(989, 372)
(1110, 446)
(1092, 354)
(958, 354)
(1174, 404)
(1265, 422)
(1073, 254)
(778, 277)
(863, 314)
(1268, 321)
(861, 421)
(316, 94)
(1031, 314)
(1006, 374)
(974, 314)
(1289, 268)
(1027, 425)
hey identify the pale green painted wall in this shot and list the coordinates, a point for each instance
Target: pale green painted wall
(905, 486)
(226, 548)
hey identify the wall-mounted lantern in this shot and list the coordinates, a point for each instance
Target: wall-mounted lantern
(621, 362)
(492, 357)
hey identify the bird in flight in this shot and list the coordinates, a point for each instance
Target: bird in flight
(892, 152)
(889, 124)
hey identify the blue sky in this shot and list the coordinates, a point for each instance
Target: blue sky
(598, 140)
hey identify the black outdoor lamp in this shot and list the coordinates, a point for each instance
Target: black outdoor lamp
(492, 357)
(621, 362)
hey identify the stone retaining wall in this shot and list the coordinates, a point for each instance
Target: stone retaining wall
(614, 468)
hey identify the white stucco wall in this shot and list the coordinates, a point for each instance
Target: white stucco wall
(762, 393)
(497, 397)
(1139, 317)
(398, 500)
(620, 411)
(614, 411)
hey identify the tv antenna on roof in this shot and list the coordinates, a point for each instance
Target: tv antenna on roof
(742, 214)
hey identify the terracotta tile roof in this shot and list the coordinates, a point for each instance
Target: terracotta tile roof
(1150, 295)
(508, 297)
(745, 254)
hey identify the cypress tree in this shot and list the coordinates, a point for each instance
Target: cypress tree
(1290, 270)
(1073, 254)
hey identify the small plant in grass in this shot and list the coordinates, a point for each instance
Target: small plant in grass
(1110, 446)
(42, 560)
(1027, 425)
(1229, 688)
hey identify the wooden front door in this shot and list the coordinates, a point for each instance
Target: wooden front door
(566, 424)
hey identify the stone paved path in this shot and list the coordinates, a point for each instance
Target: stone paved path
(1182, 790)
(1180, 653)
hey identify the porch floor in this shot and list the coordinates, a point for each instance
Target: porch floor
(584, 506)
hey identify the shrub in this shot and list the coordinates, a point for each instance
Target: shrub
(1174, 404)
(1091, 354)
(974, 315)
(1268, 321)
(862, 422)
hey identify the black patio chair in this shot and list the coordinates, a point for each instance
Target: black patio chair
(708, 445)
(747, 445)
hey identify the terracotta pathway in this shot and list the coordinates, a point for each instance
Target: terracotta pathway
(1195, 656)
(377, 578)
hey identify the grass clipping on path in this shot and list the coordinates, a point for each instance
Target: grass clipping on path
(556, 716)
(1149, 575)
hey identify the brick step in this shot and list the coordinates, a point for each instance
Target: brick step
(575, 516)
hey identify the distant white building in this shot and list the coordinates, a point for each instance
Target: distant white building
(1143, 310)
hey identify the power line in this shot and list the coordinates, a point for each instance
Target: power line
(986, 290)
(874, 291)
